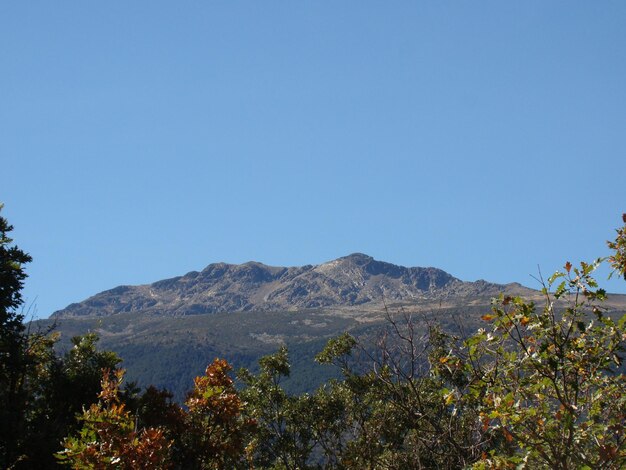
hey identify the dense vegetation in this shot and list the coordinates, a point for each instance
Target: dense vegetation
(537, 386)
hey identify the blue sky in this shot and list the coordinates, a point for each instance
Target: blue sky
(143, 140)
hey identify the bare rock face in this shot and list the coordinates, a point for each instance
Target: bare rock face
(352, 280)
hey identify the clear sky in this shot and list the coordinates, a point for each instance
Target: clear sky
(141, 140)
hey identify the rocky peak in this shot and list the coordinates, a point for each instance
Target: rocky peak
(355, 279)
(359, 259)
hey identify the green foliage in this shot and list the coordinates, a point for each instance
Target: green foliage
(12, 275)
(398, 414)
(82, 368)
(618, 246)
(282, 438)
(336, 349)
(21, 354)
(53, 390)
(548, 380)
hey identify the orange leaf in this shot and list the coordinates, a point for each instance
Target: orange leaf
(486, 422)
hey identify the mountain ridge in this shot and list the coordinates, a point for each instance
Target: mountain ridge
(349, 281)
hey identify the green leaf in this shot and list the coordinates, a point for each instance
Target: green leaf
(560, 290)
(555, 276)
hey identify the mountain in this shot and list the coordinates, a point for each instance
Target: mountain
(354, 280)
(168, 331)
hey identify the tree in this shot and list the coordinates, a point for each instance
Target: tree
(398, 412)
(618, 247)
(155, 409)
(40, 392)
(539, 387)
(216, 430)
(16, 358)
(62, 388)
(549, 380)
(12, 275)
(109, 439)
(284, 436)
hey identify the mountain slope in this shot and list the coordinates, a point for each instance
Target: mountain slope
(354, 280)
